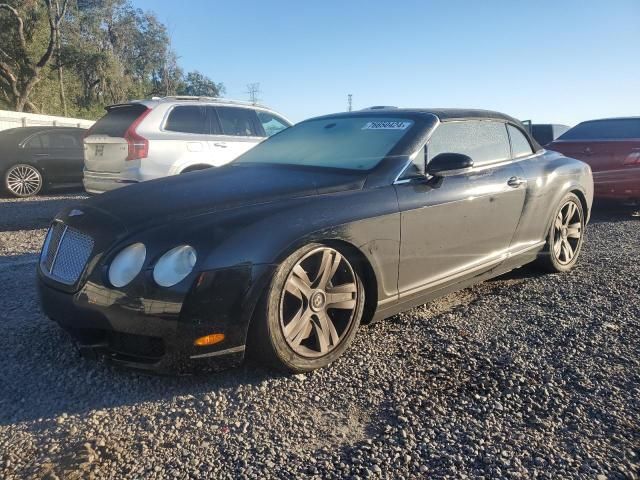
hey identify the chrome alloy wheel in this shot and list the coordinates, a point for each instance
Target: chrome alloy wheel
(23, 180)
(567, 233)
(318, 302)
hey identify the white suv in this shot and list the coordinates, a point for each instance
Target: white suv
(147, 139)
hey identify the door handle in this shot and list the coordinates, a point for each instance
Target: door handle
(220, 144)
(515, 182)
(41, 155)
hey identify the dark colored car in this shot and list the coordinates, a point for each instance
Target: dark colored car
(336, 221)
(35, 157)
(612, 148)
(545, 133)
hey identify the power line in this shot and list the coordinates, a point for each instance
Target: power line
(253, 90)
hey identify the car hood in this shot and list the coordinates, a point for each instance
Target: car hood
(218, 189)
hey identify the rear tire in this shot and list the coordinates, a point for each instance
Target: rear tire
(565, 237)
(23, 180)
(311, 311)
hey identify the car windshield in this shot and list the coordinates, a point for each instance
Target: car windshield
(354, 143)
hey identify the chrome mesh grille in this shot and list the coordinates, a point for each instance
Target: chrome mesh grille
(51, 245)
(65, 253)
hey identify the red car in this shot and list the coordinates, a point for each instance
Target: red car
(611, 147)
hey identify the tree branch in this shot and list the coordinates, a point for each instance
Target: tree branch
(5, 95)
(53, 27)
(11, 79)
(31, 106)
(5, 54)
(62, 13)
(9, 8)
(5, 70)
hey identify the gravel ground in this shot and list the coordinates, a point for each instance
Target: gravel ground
(524, 376)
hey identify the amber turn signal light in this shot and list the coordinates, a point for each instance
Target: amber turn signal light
(209, 340)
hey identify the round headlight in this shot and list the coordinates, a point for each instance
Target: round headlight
(174, 265)
(127, 264)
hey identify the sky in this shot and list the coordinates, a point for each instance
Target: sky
(561, 61)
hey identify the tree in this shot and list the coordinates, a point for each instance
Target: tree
(21, 68)
(199, 85)
(74, 57)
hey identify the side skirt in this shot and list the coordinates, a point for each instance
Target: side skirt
(509, 264)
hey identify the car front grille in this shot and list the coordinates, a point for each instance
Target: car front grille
(65, 253)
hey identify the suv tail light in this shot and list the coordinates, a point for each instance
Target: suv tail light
(138, 145)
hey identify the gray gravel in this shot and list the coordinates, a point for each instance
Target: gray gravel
(523, 376)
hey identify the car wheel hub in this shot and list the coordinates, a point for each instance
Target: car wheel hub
(23, 180)
(318, 303)
(567, 233)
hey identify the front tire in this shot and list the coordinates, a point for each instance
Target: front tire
(313, 309)
(565, 236)
(23, 180)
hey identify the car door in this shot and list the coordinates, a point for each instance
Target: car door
(37, 150)
(240, 130)
(184, 141)
(461, 224)
(66, 155)
(43, 149)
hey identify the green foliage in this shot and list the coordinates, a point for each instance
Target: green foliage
(198, 85)
(110, 52)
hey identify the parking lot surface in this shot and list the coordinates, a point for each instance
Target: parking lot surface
(526, 375)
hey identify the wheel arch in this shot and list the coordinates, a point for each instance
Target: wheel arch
(370, 280)
(357, 257)
(583, 200)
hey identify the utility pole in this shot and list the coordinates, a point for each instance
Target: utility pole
(349, 102)
(253, 90)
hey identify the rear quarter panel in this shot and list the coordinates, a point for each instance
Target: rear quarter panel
(550, 177)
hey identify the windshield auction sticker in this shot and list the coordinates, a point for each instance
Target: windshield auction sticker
(386, 126)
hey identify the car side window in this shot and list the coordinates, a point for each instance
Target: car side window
(41, 140)
(239, 122)
(63, 140)
(34, 142)
(520, 146)
(417, 167)
(271, 124)
(485, 141)
(187, 119)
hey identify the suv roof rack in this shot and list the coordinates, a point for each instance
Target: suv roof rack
(207, 99)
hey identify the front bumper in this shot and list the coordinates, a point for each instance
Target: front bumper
(157, 333)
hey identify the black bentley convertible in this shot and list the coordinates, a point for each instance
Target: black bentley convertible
(337, 221)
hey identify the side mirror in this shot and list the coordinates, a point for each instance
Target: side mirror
(448, 164)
